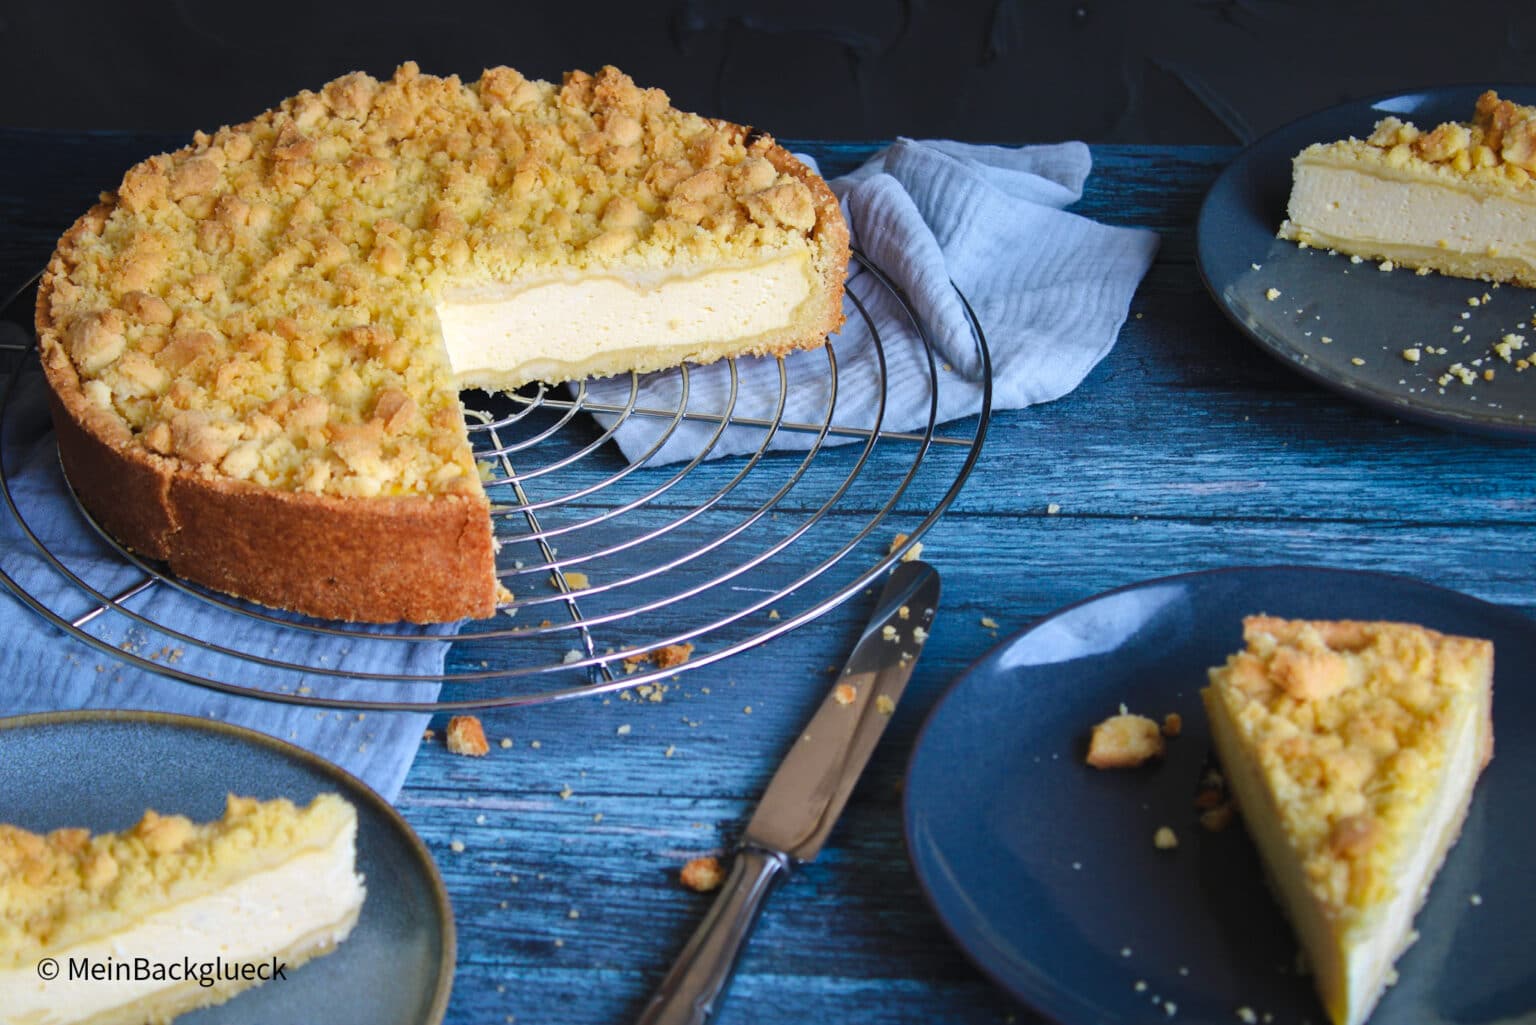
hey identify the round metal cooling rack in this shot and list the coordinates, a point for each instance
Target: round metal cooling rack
(610, 562)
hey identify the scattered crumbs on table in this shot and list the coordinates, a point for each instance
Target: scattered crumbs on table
(1413, 354)
(702, 874)
(1077, 866)
(623, 730)
(888, 632)
(845, 693)
(304, 689)
(1256, 266)
(506, 742)
(1357, 361)
(919, 634)
(1326, 340)
(1272, 294)
(503, 905)
(578, 581)
(1386, 266)
(1125, 951)
(773, 614)
(1246, 1016)
(1356, 259)
(905, 612)
(566, 792)
(573, 913)
(1475, 900)
(480, 820)
(428, 735)
(1170, 1008)
(988, 623)
(884, 705)
(1165, 839)
(1173, 724)
(669, 752)
(1052, 508)
(457, 846)
(915, 552)
(747, 710)
(1473, 300)
(559, 943)
(1465, 315)
(1141, 986)
(534, 744)
(1183, 969)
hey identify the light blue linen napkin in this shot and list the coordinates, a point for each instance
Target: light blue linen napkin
(44, 669)
(1049, 288)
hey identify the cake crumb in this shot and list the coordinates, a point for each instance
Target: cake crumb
(428, 735)
(1052, 508)
(668, 656)
(577, 581)
(911, 554)
(566, 792)
(884, 705)
(467, 737)
(702, 874)
(1173, 724)
(1165, 839)
(1124, 741)
(1412, 354)
(1272, 294)
(988, 623)
(1475, 900)
(457, 846)
(1246, 1015)
(845, 693)
(506, 742)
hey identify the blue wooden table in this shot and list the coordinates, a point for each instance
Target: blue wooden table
(1186, 449)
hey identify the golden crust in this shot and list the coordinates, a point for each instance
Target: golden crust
(241, 339)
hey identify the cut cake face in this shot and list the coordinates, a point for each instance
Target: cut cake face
(1352, 749)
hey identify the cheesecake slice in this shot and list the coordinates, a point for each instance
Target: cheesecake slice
(1352, 749)
(256, 344)
(170, 915)
(1458, 198)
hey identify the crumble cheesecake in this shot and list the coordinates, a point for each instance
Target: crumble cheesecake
(256, 343)
(1458, 199)
(1352, 749)
(267, 884)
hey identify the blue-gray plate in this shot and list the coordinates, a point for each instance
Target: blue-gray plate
(1044, 870)
(1367, 314)
(101, 770)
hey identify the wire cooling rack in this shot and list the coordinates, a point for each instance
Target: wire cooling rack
(609, 559)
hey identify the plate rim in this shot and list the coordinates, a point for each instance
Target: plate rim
(438, 1008)
(1346, 386)
(1031, 1000)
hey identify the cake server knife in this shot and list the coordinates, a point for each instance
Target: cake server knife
(806, 794)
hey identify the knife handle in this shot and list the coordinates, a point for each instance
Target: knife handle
(699, 977)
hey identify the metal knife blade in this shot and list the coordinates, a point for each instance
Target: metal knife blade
(813, 782)
(806, 794)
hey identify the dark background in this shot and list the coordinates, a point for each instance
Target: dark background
(1175, 71)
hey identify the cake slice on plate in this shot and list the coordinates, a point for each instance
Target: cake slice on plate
(1352, 749)
(142, 925)
(1458, 198)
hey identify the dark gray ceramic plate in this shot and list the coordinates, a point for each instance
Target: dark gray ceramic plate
(1044, 870)
(1369, 315)
(102, 769)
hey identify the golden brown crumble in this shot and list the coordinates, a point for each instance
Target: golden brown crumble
(260, 304)
(702, 874)
(1124, 741)
(466, 736)
(1349, 722)
(1499, 141)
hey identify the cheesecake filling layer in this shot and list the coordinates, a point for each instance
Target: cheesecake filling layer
(307, 904)
(1377, 215)
(502, 335)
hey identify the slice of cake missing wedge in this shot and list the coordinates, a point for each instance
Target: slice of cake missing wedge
(1353, 749)
(140, 926)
